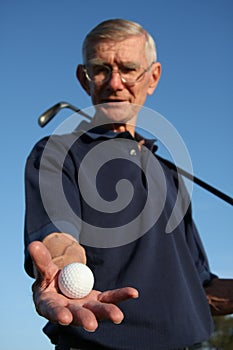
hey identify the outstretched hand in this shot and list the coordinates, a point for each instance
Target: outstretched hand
(57, 308)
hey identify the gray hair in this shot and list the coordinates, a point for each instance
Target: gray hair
(117, 30)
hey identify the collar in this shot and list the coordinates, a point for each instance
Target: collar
(100, 132)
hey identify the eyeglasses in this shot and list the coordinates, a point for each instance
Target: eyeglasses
(101, 73)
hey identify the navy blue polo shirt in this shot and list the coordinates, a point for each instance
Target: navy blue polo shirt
(111, 202)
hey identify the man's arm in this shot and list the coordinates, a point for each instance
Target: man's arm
(219, 294)
(57, 308)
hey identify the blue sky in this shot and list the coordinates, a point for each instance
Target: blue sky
(40, 48)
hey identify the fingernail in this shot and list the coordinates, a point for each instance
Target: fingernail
(89, 330)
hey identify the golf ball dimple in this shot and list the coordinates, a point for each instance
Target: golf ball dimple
(75, 280)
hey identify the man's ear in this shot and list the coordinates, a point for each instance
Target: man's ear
(155, 76)
(83, 79)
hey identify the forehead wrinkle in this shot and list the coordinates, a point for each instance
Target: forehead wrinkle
(119, 51)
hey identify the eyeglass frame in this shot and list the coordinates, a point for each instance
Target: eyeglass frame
(84, 68)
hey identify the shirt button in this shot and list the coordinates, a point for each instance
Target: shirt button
(133, 152)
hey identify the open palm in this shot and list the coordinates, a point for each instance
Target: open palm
(57, 308)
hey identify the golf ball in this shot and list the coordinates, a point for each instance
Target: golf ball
(75, 280)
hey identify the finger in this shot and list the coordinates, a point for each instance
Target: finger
(57, 314)
(105, 311)
(117, 295)
(83, 317)
(39, 253)
(42, 259)
(53, 307)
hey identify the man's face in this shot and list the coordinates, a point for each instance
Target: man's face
(115, 99)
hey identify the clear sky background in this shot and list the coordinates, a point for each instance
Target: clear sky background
(40, 48)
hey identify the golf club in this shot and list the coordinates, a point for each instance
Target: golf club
(51, 112)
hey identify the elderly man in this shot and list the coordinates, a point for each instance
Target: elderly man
(159, 279)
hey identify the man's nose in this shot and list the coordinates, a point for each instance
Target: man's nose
(115, 81)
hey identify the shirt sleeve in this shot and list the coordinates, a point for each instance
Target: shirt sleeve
(52, 195)
(192, 237)
(194, 242)
(197, 250)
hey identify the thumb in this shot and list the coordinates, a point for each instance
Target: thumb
(44, 266)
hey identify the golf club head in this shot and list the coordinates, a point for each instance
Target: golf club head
(48, 115)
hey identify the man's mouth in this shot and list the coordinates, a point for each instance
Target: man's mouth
(114, 102)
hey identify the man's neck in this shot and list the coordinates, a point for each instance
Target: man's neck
(115, 127)
(122, 128)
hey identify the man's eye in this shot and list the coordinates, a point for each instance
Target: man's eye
(99, 69)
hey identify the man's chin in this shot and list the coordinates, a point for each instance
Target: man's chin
(117, 112)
